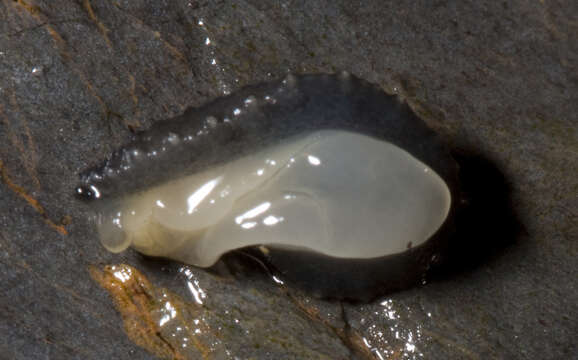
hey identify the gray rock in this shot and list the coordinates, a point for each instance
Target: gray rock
(495, 79)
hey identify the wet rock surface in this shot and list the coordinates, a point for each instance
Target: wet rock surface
(497, 80)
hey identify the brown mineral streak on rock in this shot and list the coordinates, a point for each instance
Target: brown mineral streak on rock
(136, 299)
(5, 178)
(133, 90)
(103, 29)
(27, 151)
(173, 50)
(351, 338)
(36, 13)
(133, 123)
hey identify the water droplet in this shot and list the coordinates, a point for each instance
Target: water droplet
(251, 100)
(37, 70)
(270, 99)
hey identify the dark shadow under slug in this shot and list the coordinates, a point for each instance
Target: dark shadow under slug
(335, 184)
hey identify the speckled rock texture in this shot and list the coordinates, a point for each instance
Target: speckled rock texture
(498, 81)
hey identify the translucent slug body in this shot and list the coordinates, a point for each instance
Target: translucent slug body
(341, 187)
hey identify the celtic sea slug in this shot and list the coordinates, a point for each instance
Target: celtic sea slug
(340, 187)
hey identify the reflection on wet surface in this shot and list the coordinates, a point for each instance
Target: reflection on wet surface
(171, 326)
(387, 335)
(158, 320)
